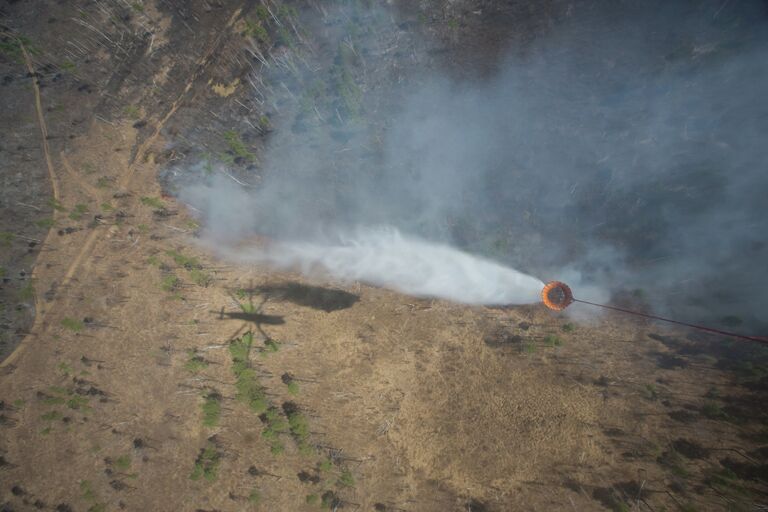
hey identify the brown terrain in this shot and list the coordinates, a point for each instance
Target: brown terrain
(139, 373)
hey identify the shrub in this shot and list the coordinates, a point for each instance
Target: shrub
(53, 400)
(188, 262)
(195, 363)
(51, 416)
(299, 426)
(131, 111)
(248, 307)
(123, 462)
(256, 30)
(650, 393)
(211, 409)
(237, 146)
(346, 479)
(249, 391)
(170, 283)
(46, 223)
(78, 211)
(271, 345)
(200, 277)
(153, 202)
(56, 205)
(207, 464)
(329, 500)
(72, 324)
(78, 402)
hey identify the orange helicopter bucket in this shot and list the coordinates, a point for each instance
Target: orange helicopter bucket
(556, 295)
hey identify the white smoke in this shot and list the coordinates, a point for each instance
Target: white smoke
(384, 257)
(622, 143)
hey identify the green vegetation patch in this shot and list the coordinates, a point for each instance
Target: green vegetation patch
(78, 403)
(346, 479)
(237, 146)
(249, 390)
(56, 205)
(650, 392)
(188, 262)
(254, 497)
(293, 387)
(196, 363)
(6, 238)
(72, 324)
(78, 211)
(51, 416)
(123, 462)
(350, 94)
(132, 111)
(211, 409)
(46, 223)
(256, 30)
(27, 292)
(207, 464)
(200, 277)
(170, 283)
(153, 202)
(275, 425)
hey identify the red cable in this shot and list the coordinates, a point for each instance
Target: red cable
(700, 327)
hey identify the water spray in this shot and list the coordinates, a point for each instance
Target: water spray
(557, 296)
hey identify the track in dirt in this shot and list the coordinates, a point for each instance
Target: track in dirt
(83, 256)
(39, 311)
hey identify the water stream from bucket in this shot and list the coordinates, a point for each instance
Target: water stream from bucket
(385, 257)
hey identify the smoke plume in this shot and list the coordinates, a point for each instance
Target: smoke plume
(622, 143)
